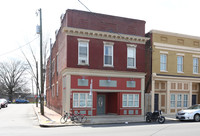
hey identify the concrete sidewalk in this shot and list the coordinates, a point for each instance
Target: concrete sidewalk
(52, 119)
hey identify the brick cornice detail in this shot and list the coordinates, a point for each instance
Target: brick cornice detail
(104, 35)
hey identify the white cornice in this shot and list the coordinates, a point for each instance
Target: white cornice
(172, 47)
(175, 34)
(102, 73)
(104, 35)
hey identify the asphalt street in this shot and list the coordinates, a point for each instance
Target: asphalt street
(20, 120)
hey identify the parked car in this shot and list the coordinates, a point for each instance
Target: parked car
(21, 101)
(3, 103)
(191, 113)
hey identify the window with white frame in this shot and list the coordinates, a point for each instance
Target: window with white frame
(185, 100)
(179, 100)
(53, 91)
(172, 101)
(130, 100)
(53, 67)
(82, 100)
(131, 57)
(195, 65)
(108, 54)
(180, 64)
(57, 89)
(57, 63)
(83, 52)
(163, 62)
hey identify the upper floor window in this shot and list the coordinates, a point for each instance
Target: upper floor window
(53, 67)
(163, 62)
(108, 54)
(83, 52)
(131, 56)
(179, 64)
(195, 66)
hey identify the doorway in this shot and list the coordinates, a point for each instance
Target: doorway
(101, 104)
(194, 99)
(156, 102)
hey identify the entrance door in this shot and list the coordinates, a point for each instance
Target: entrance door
(194, 99)
(156, 101)
(100, 104)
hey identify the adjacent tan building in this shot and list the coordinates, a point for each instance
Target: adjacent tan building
(175, 72)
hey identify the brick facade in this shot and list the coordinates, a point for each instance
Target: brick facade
(111, 82)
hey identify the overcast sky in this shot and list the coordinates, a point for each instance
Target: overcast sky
(18, 19)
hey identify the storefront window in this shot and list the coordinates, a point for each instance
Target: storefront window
(172, 100)
(75, 100)
(185, 101)
(179, 100)
(130, 100)
(82, 100)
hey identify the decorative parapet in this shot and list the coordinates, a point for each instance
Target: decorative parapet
(105, 35)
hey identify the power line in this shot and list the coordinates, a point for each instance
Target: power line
(18, 47)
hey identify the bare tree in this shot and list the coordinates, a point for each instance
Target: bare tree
(12, 77)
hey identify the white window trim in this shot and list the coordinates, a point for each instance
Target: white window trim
(57, 88)
(53, 91)
(111, 45)
(86, 98)
(87, 41)
(131, 46)
(163, 52)
(133, 100)
(53, 67)
(197, 65)
(182, 63)
(166, 62)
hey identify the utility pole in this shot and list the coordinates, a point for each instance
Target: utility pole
(37, 86)
(41, 68)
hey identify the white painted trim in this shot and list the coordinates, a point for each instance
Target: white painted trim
(175, 34)
(111, 45)
(108, 43)
(106, 90)
(131, 45)
(178, 79)
(83, 40)
(104, 35)
(196, 56)
(102, 73)
(173, 47)
(180, 54)
(87, 41)
(163, 52)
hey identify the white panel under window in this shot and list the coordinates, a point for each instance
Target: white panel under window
(83, 53)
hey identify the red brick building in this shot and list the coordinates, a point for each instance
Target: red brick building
(106, 50)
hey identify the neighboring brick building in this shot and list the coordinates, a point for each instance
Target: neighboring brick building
(174, 76)
(108, 50)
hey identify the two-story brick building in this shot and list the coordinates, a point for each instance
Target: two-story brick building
(106, 50)
(174, 71)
